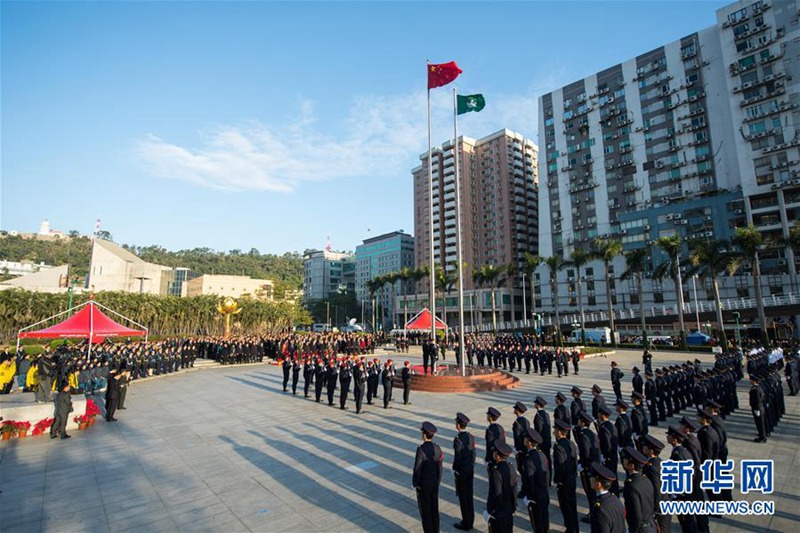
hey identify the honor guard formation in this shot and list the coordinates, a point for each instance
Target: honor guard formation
(611, 451)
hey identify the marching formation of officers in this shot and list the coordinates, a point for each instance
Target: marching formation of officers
(582, 444)
(766, 390)
(512, 352)
(349, 372)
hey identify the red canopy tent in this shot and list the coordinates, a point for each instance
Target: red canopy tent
(422, 320)
(90, 322)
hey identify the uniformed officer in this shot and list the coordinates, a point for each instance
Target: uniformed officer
(589, 452)
(638, 492)
(623, 425)
(651, 397)
(464, 471)
(406, 374)
(560, 412)
(639, 425)
(502, 499)
(331, 378)
(651, 448)
(520, 429)
(359, 385)
(577, 406)
(541, 423)
(616, 379)
(609, 442)
(565, 470)
(427, 477)
(597, 400)
(286, 366)
(636, 381)
(535, 472)
(607, 514)
(494, 433)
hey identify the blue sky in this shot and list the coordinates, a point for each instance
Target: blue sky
(238, 125)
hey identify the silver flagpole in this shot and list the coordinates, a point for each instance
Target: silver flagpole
(462, 347)
(432, 273)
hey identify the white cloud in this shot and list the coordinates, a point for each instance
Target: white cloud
(383, 136)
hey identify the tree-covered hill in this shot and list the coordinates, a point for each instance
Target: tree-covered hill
(77, 251)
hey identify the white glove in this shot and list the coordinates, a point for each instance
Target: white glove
(526, 501)
(487, 516)
(580, 468)
(757, 413)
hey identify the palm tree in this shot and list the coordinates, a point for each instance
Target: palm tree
(390, 279)
(749, 241)
(491, 276)
(578, 259)
(373, 286)
(672, 246)
(510, 273)
(606, 250)
(711, 259)
(405, 275)
(531, 263)
(792, 244)
(555, 263)
(636, 263)
(445, 281)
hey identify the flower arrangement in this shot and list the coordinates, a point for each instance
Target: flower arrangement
(42, 425)
(91, 409)
(81, 419)
(22, 428)
(9, 427)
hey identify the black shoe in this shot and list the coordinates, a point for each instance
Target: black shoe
(53, 436)
(121, 408)
(112, 419)
(66, 436)
(459, 525)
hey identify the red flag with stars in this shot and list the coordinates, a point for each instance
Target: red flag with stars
(442, 74)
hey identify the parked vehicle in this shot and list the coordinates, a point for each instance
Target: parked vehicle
(593, 335)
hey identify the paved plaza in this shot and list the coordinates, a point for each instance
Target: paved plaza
(224, 449)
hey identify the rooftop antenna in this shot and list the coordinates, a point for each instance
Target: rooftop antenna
(328, 244)
(96, 229)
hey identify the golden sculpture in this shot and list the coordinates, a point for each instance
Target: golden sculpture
(228, 307)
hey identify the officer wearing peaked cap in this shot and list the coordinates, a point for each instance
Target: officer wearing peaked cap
(502, 499)
(598, 400)
(577, 405)
(494, 433)
(541, 423)
(535, 480)
(565, 470)
(607, 514)
(464, 471)
(520, 430)
(638, 492)
(651, 448)
(427, 477)
(560, 412)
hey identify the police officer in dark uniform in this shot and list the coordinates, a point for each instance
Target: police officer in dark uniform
(560, 412)
(577, 406)
(623, 425)
(607, 514)
(359, 385)
(520, 430)
(588, 453)
(502, 499)
(320, 375)
(651, 397)
(464, 471)
(651, 448)
(330, 380)
(427, 477)
(636, 381)
(535, 472)
(494, 433)
(609, 442)
(541, 423)
(565, 470)
(286, 365)
(638, 492)
(639, 425)
(405, 375)
(616, 379)
(757, 400)
(597, 400)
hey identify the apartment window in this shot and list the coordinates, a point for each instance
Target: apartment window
(736, 16)
(740, 29)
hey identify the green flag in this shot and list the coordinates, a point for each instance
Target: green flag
(470, 102)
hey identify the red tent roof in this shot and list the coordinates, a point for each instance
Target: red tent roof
(422, 320)
(89, 321)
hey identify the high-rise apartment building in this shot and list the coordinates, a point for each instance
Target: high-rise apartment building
(760, 54)
(499, 180)
(378, 256)
(326, 272)
(694, 138)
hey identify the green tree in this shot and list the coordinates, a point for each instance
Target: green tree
(791, 243)
(491, 276)
(390, 280)
(710, 259)
(578, 259)
(672, 247)
(606, 250)
(445, 281)
(749, 242)
(554, 264)
(374, 285)
(636, 267)
(530, 265)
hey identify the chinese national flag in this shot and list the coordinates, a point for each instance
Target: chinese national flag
(442, 74)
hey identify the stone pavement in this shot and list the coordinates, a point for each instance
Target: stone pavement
(224, 449)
